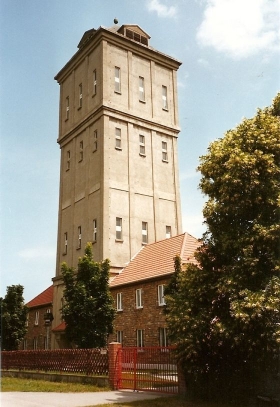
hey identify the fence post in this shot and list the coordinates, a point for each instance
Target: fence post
(182, 387)
(113, 364)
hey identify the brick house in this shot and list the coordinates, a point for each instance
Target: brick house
(138, 291)
(38, 327)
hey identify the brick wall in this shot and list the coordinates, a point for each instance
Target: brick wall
(37, 333)
(149, 318)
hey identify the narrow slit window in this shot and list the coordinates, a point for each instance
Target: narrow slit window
(138, 298)
(65, 243)
(119, 302)
(118, 228)
(94, 230)
(94, 82)
(68, 160)
(168, 232)
(80, 95)
(141, 89)
(118, 139)
(81, 152)
(117, 79)
(164, 151)
(164, 98)
(95, 136)
(145, 232)
(79, 237)
(142, 150)
(67, 108)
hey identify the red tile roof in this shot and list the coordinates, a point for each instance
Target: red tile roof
(46, 297)
(157, 259)
(60, 327)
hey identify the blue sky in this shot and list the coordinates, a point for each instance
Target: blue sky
(231, 59)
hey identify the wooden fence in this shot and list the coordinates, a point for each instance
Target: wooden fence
(84, 361)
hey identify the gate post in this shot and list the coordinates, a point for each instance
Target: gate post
(113, 364)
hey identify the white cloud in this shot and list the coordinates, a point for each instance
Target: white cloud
(161, 9)
(241, 28)
(193, 224)
(37, 252)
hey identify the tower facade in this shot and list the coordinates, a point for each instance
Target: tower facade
(118, 130)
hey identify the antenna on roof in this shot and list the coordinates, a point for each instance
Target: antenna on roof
(115, 21)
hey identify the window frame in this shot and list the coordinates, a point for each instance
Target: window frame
(141, 89)
(163, 337)
(164, 151)
(117, 79)
(142, 146)
(119, 229)
(67, 110)
(94, 83)
(80, 96)
(65, 242)
(119, 336)
(95, 138)
(79, 246)
(140, 338)
(168, 232)
(118, 139)
(144, 232)
(164, 98)
(119, 302)
(139, 298)
(68, 158)
(37, 316)
(94, 233)
(160, 292)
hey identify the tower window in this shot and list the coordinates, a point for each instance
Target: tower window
(164, 151)
(67, 108)
(94, 82)
(144, 232)
(168, 232)
(164, 98)
(95, 135)
(65, 243)
(79, 237)
(80, 95)
(81, 153)
(68, 160)
(94, 230)
(117, 79)
(142, 145)
(141, 89)
(118, 145)
(118, 228)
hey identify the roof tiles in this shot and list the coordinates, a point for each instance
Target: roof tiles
(46, 297)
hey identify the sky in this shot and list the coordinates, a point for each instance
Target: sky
(230, 54)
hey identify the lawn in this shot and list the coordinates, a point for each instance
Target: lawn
(28, 385)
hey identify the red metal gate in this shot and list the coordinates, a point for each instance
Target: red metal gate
(153, 369)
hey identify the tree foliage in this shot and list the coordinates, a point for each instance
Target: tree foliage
(225, 314)
(13, 318)
(88, 309)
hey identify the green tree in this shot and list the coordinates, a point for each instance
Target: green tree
(13, 318)
(88, 310)
(225, 313)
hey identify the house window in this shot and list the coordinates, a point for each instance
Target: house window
(120, 336)
(95, 135)
(35, 343)
(94, 82)
(141, 89)
(118, 145)
(119, 302)
(161, 300)
(138, 298)
(79, 237)
(68, 160)
(163, 341)
(118, 228)
(164, 98)
(142, 144)
(168, 232)
(81, 153)
(36, 318)
(164, 151)
(80, 95)
(117, 79)
(65, 243)
(140, 338)
(94, 230)
(144, 232)
(67, 108)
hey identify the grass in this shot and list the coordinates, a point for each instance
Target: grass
(27, 385)
(16, 384)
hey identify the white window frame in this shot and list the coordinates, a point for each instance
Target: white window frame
(142, 149)
(118, 140)
(94, 82)
(140, 338)
(141, 89)
(119, 302)
(164, 151)
(79, 237)
(168, 233)
(65, 242)
(67, 108)
(144, 232)
(80, 95)
(163, 339)
(94, 230)
(164, 97)
(36, 322)
(117, 79)
(119, 337)
(95, 137)
(119, 234)
(139, 298)
(161, 299)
